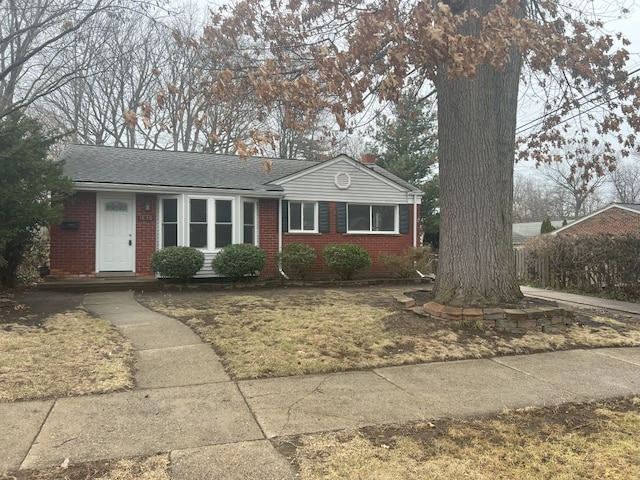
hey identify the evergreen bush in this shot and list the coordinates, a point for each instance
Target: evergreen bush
(180, 263)
(298, 259)
(346, 260)
(239, 260)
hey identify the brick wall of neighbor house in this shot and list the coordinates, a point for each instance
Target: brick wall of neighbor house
(375, 244)
(614, 221)
(146, 217)
(73, 252)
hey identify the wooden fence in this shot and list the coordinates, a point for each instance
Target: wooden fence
(530, 270)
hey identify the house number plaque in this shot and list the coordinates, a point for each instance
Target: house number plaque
(145, 218)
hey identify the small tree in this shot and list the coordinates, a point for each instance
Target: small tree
(546, 226)
(32, 188)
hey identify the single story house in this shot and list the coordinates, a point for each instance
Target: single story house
(128, 203)
(521, 232)
(616, 218)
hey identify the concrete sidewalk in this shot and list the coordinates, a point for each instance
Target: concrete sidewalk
(213, 427)
(582, 300)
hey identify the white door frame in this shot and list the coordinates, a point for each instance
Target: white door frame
(102, 198)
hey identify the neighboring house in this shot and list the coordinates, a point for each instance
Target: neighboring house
(521, 232)
(616, 218)
(129, 203)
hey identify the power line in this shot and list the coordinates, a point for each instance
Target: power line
(532, 123)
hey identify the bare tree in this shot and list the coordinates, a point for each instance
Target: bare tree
(34, 36)
(626, 180)
(576, 179)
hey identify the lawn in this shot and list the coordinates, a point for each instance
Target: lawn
(279, 332)
(155, 467)
(584, 441)
(58, 354)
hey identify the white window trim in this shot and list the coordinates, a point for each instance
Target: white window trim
(178, 198)
(256, 230)
(315, 217)
(211, 221)
(396, 220)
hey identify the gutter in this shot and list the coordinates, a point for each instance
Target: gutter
(172, 190)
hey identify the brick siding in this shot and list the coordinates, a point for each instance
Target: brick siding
(373, 243)
(146, 227)
(73, 252)
(614, 220)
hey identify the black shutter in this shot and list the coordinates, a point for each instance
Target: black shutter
(284, 214)
(323, 217)
(341, 217)
(404, 218)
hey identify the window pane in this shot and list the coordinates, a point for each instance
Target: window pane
(358, 217)
(308, 216)
(248, 234)
(223, 235)
(198, 210)
(295, 216)
(223, 211)
(248, 218)
(384, 218)
(248, 210)
(169, 235)
(170, 210)
(198, 235)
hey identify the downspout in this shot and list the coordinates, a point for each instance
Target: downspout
(280, 240)
(415, 235)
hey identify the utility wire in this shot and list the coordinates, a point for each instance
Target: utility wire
(584, 100)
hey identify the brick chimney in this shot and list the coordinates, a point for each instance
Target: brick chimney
(368, 159)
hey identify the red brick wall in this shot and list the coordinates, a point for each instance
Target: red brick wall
(268, 234)
(146, 224)
(375, 244)
(73, 252)
(613, 220)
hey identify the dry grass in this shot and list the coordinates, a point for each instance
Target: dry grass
(596, 442)
(140, 468)
(267, 333)
(70, 354)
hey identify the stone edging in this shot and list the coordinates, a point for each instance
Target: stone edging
(511, 320)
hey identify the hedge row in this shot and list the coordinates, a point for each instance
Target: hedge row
(240, 260)
(588, 263)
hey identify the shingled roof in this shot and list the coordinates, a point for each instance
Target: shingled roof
(163, 168)
(128, 166)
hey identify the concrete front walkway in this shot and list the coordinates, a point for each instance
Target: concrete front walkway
(215, 428)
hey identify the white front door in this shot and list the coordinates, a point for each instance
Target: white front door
(116, 228)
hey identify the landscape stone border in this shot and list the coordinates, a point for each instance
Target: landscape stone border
(510, 319)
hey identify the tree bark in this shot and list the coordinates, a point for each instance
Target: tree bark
(476, 133)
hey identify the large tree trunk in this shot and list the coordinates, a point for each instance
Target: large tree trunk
(476, 133)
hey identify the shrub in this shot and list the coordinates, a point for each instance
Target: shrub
(406, 264)
(297, 259)
(587, 263)
(180, 263)
(346, 260)
(239, 260)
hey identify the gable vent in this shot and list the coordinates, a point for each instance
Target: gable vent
(342, 180)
